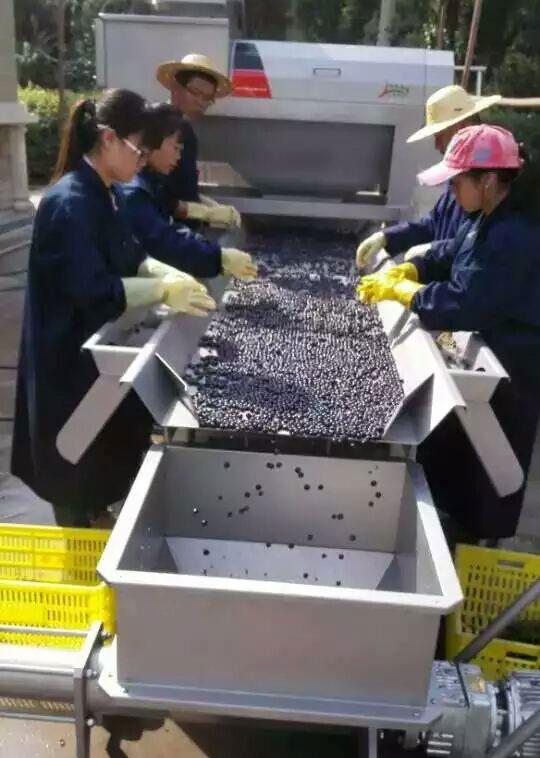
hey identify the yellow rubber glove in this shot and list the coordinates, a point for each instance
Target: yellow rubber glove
(236, 217)
(417, 251)
(368, 249)
(151, 267)
(141, 292)
(187, 295)
(236, 263)
(402, 291)
(395, 274)
(219, 216)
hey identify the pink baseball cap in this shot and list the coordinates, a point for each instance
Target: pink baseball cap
(482, 146)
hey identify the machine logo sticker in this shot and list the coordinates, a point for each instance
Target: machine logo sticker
(395, 90)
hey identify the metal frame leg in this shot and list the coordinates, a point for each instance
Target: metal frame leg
(80, 674)
(368, 743)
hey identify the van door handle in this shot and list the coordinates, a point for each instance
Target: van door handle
(327, 73)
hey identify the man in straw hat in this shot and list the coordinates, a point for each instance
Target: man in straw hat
(447, 111)
(194, 84)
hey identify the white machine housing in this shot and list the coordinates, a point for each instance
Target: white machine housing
(312, 129)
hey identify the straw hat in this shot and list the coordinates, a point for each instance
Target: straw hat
(449, 106)
(197, 63)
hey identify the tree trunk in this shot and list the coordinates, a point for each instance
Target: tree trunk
(61, 37)
(386, 20)
(443, 6)
(453, 13)
(471, 46)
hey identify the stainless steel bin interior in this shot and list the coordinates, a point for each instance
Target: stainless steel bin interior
(286, 576)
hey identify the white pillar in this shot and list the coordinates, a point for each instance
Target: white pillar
(13, 118)
(19, 177)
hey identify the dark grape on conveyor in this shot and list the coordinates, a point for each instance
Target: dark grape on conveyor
(293, 351)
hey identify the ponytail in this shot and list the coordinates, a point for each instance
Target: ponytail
(525, 187)
(80, 135)
(523, 184)
(121, 110)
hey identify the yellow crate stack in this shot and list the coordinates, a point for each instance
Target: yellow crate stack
(48, 580)
(491, 580)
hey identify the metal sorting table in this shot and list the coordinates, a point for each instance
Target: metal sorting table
(280, 586)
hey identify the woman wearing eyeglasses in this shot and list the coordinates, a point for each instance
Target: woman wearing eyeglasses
(85, 269)
(146, 196)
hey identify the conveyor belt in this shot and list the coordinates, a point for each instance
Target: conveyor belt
(294, 352)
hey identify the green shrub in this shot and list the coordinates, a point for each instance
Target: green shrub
(519, 74)
(43, 138)
(525, 126)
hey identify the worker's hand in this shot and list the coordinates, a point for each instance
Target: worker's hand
(417, 251)
(227, 216)
(369, 248)
(224, 217)
(142, 292)
(385, 288)
(395, 273)
(187, 295)
(219, 216)
(151, 267)
(236, 263)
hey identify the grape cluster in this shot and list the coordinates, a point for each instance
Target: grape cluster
(293, 351)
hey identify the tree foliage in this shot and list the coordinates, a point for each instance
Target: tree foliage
(37, 45)
(508, 40)
(267, 20)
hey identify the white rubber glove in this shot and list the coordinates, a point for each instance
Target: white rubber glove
(151, 267)
(141, 292)
(187, 296)
(369, 248)
(417, 251)
(236, 263)
(220, 216)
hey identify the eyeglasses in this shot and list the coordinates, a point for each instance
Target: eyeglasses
(200, 95)
(142, 155)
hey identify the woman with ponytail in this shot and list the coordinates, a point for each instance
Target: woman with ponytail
(84, 270)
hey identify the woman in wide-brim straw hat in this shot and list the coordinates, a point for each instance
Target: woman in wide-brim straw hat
(194, 83)
(447, 110)
(487, 280)
(194, 63)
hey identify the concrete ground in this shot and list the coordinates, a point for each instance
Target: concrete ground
(36, 740)
(45, 740)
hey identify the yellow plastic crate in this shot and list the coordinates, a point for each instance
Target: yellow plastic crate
(491, 580)
(48, 580)
(51, 553)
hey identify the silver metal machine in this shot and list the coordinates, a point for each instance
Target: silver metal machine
(312, 130)
(257, 601)
(150, 356)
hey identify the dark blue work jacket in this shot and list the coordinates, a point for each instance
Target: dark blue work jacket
(160, 237)
(81, 248)
(441, 223)
(488, 281)
(183, 181)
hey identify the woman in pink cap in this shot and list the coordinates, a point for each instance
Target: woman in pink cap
(486, 280)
